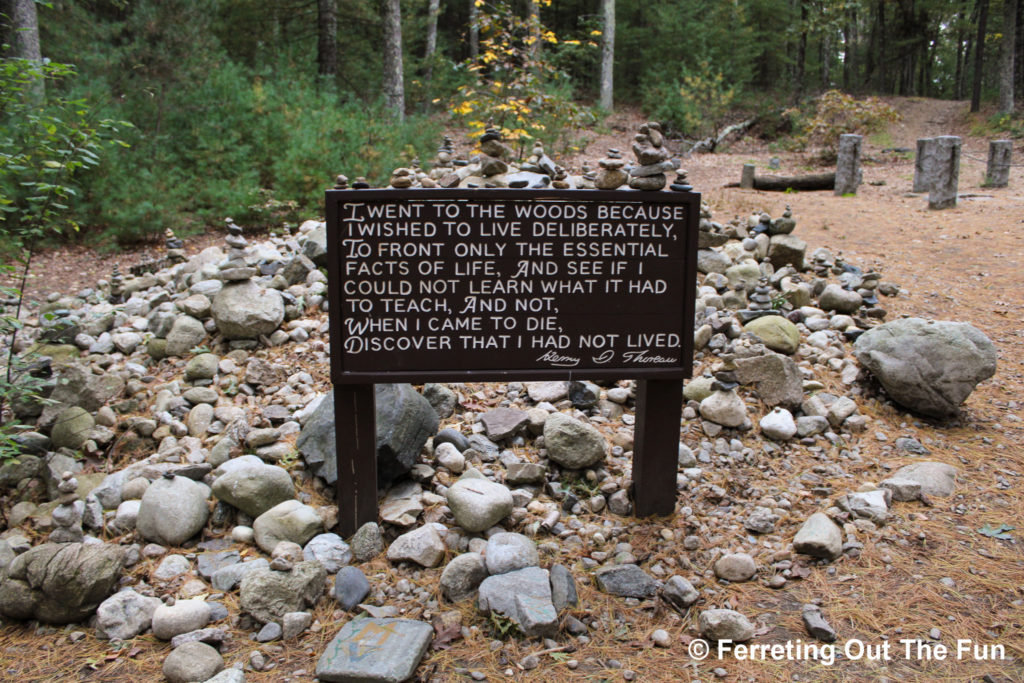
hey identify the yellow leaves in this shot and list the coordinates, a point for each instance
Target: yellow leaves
(464, 108)
(595, 32)
(488, 57)
(530, 40)
(570, 42)
(550, 37)
(479, 3)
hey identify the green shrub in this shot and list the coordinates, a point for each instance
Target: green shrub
(693, 105)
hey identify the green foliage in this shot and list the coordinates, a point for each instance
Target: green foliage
(515, 86)
(46, 145)
(256, 138)
(1004, 124)
(503, 627)
(693, 105)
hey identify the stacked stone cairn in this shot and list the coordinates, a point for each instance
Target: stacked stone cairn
(611, 176)
(67, 516)
(652, 159)
(444, 161)
(175, 247)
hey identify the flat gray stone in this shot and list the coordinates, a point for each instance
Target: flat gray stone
(626, 581)
(423, 546)
(523, 596)
(930, 478)
(725, 624)
(370, 650)
(819, 537)
(502, 423)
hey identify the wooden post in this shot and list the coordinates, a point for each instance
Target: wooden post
(998, 172)
(946, 183)
(355, 431)
(659, 405)
(747, 179)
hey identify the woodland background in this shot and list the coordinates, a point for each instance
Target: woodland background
(122, 118)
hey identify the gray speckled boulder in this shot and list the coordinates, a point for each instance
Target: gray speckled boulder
(927, 366)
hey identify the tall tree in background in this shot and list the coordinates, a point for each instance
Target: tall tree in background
(1006, 62)
(979, 54)
(474, 30)
(433, 10)
(607, 53)
(394, 84)
(25, 44)
(327, 38)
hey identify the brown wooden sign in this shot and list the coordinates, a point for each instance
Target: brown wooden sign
(489, 284)
(501, 284)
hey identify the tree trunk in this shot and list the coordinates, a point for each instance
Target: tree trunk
(433, 10)
(327, 38)
(474, 30)
(801, 50)
(958, 79)
(803, 183)
(1006, 63)
(533, 20)
(25, 29)
(394, 85)
(882, 55)
(979, 55)
(607, 54)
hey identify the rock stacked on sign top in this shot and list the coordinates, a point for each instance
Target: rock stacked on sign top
(652, 159)
(493, 153)
(611, 176)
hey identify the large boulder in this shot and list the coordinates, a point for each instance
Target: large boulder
(405, 420)
(59, 583)
(776, 379)
(254, 489)
(247, 311)
(927, 366)
(268, 595)
(573, 444)
(173, 510)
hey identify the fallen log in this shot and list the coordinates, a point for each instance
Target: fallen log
(775, 183)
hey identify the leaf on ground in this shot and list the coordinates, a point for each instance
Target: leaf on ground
(998, 532)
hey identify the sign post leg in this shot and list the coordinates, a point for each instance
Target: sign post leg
(659, 404)
(356, 435)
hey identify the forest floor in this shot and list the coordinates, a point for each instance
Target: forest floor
(962, 264)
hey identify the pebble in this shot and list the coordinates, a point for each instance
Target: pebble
(661, 638)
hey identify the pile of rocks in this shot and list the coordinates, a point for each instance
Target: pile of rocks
(522, 494)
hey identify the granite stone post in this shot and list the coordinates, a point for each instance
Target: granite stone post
(943, 190)
(848, 175)
(998, 172)
(923, 164)
(747, 179)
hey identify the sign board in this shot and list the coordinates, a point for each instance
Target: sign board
(487, 284)
(482, 285)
